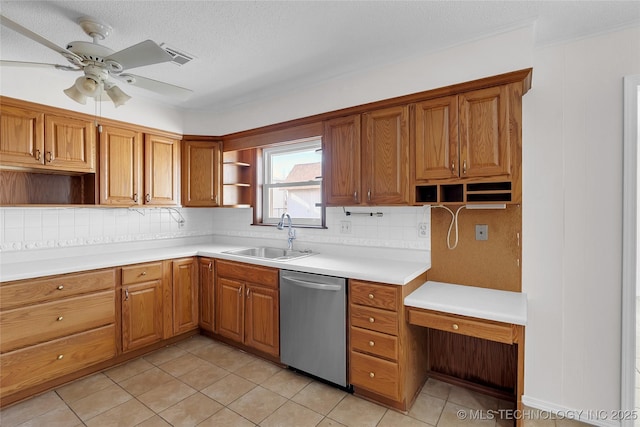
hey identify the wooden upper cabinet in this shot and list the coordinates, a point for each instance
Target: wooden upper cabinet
(21, 136)
(201, 167)
(133, 175)
(436, 138)
(120, 166)
(385, 156)
(341, 150)
(161, 157)
(70, 144)
(484, 133)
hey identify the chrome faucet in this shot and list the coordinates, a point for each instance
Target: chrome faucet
(292, 231)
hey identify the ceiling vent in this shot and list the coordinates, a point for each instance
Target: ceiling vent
(179, 58)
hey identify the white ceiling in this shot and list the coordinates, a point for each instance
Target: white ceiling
(252, 50)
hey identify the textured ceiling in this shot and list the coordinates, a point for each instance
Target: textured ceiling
(250, 50)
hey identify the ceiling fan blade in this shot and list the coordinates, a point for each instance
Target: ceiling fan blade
(144, 53)
(38, 38)
(156, 86)
(38, 65)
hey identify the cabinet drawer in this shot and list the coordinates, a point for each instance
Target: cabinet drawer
(374, 319)
(141, 273)
(265, 276)
(485, 329)
(377, 375)
(374, 343)
(24, 292)
(40, 363)
(35, 324)
(373, 295)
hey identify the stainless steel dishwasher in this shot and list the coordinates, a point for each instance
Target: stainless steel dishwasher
(313, 324)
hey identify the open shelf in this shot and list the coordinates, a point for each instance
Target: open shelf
(237, 178)
(477, 192)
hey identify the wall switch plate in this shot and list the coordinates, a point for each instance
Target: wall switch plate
(482, 232)
(423, 229)
(345, 227)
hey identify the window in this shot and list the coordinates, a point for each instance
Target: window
(292, 183)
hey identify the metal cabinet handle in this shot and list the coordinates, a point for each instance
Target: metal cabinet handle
(135, 197)
(453, 168)
(210, 269)
(371, 320)
(355, 196)
(147, 198)
(371, 343)
(60, 356)
(369, 195)
(126, 294)
(370, 296)
(455, 327)
(371, 375)
(60, 287)
(38, 155)
(59, 319)
(49, 157)
(144, 273)
(248, 291)
(240, 290)
(464, 167)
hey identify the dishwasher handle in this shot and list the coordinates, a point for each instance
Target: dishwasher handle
(313, 285)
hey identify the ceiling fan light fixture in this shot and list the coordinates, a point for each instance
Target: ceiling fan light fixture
(87, 86)
(76, 95)
(117, 96)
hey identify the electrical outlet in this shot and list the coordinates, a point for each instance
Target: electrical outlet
(345, 227)
(482, 232)
(423, 229)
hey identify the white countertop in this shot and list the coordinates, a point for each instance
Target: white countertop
(361, 267)
(490, 304)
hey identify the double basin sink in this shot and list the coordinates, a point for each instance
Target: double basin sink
(275, 254)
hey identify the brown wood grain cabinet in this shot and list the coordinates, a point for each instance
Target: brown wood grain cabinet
(207, 295)
(32, 139)
(142, 305)
(463, 136)
(185, 295)
(366, 158)
(201, 172)
(387, 357)
(137, 169)
(247, 305)
(54, 326)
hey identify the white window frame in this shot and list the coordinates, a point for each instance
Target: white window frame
(306, 144)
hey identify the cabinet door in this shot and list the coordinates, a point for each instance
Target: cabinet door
(262, 327)
(21, 136)
(436, 138)
(230, 308)
(207, 294)
(120, 166)
(341, 150)
(385, 159)
(484, 133)
(70, 144)
(141, 314)
(161, 156)
(185, 295)
(201, 165)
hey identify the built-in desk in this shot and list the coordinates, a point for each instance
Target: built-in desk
(487, 314)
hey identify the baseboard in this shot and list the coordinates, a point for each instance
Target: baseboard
(603, 418)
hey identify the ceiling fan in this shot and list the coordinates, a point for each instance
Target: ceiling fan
(100, 64)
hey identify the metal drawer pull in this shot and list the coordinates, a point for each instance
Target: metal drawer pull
(455, 327)
(371, 320)
(370, 296)
(60, 287)
(144, 273)
(371, 375)
(59, 319)
(371, 343)
(60, 356)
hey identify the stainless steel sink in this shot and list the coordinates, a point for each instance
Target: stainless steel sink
(270, 253)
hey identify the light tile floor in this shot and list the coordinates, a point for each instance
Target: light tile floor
(202, 382)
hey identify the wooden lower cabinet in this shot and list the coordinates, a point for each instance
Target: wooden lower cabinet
(387, 356)
(54, 326)
(185, 295)
(207, 294)
(247, 305)
(142, 314)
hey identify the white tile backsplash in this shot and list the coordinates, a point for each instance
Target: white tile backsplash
(34, 228)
